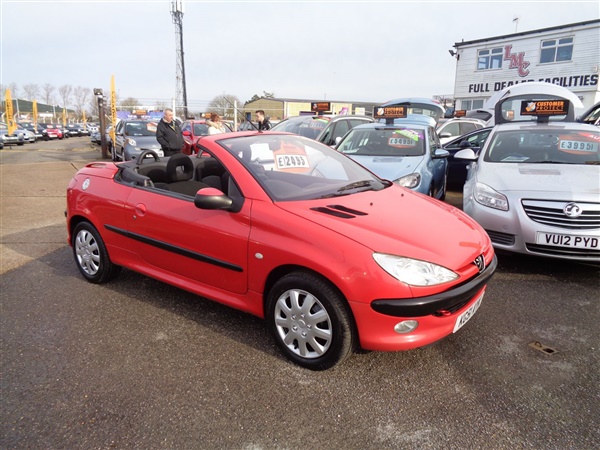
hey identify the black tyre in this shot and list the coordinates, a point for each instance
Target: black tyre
(444, 186)
(310, 321)
(113, 153)
(91, 256)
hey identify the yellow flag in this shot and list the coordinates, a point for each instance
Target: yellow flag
(35, 114)
(113, 107)
(84, 123)
(10, 118)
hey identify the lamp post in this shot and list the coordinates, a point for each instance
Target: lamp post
(101, 116)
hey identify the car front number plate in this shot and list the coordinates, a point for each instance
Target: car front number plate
(464, 317)
(567, 240)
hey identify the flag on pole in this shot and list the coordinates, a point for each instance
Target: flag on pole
(10, 118)
(35, 115)
(113, 108)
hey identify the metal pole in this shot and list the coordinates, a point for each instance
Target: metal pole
(235, 116)
(102, 117)
(185, 103)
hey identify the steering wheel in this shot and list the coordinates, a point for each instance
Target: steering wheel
(140, 159)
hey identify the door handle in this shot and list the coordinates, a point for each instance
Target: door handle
(140, 209)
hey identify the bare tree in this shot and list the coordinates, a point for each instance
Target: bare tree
(93, 107)
(14, 90)
(223, 105)
(129, 103)
(65, 94)
(160, 105)
(82, 96)
(32, 91)
(48, 93)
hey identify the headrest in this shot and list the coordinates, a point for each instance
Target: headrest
(180, 168)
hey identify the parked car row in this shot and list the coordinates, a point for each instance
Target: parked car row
(6, 138)
(43, 131)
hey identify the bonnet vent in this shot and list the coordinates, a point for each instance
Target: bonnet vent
(339, 211)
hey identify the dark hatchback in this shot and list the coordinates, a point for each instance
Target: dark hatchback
(457, 168)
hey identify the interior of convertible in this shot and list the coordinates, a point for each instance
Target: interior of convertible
(179, 174)
(287, 167)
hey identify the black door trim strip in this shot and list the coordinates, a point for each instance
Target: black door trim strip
(175, 249)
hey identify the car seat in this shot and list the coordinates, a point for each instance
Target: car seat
(180, 172)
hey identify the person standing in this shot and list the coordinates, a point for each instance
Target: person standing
(215, 126)
(263, 122)
(168, 134)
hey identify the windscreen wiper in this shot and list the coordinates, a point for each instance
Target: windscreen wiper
(355, 185)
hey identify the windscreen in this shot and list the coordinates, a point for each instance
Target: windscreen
(560, 146)
(295, 168)
(408, 141)
(307, 126)
(140, 129)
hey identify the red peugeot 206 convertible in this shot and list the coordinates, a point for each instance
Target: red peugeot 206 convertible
(285, 228)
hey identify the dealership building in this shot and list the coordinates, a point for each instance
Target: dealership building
(567, 55)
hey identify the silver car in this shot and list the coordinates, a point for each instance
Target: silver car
(132, 137)
(535, 189)
(16, 137)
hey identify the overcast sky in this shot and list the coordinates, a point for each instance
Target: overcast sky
(333, 50)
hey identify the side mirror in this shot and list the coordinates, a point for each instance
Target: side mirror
(212, 198)
(441, 153)
(467, 154)
(445, 134)
(186, 133)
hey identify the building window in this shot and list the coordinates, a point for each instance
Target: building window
(468, 105)
(489, 59)
(555, 50)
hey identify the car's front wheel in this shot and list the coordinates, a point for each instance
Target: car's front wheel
(90, 254)
(310, 321)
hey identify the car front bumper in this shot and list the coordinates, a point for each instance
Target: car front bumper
(437, 316)
(541, 228)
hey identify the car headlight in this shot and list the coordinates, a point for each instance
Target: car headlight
(487, 196)
(409, 181)
(131, 142)
(414, 271)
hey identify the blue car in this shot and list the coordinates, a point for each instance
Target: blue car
(405, 150)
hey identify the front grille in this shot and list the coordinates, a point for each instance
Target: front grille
(564, 251)
(552, 213)
(501, 238)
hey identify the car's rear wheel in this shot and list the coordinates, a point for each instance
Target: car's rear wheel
(91, 256)
(310, 321)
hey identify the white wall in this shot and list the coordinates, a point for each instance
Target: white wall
(580, 75)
